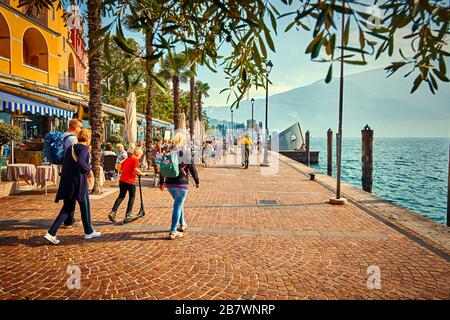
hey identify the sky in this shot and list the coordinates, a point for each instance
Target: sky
(292, 67)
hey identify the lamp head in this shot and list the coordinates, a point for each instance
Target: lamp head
(252, 101)
(269, 66)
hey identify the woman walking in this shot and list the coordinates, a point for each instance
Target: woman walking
(130, 168)
(178, 186)
(73, 187)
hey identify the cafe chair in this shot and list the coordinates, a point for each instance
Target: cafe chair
(109, 166)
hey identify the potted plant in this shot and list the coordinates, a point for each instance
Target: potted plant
(8, 133)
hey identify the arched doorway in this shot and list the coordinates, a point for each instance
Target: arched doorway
(35, 50)
(5, 38)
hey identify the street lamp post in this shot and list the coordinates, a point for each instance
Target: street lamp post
(266, 142)
(253, 127)
(232, 125)
(339, 200)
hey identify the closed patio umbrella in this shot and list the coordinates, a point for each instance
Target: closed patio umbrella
(130, 120)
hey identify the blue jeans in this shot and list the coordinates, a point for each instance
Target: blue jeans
(179, 196)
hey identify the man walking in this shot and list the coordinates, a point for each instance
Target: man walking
(70, 137)
(246, 143)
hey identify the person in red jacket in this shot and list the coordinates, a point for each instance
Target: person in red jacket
(129, 170)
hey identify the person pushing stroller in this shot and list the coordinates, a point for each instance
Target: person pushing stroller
(129, 170)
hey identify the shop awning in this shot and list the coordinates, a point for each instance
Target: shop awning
(160, 123)
(15, 103)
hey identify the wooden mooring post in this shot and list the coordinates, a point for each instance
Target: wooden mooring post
(367, 158)
(448, 189)
(330, 152)
(308, 141)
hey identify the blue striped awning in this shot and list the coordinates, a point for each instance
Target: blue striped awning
(14, 103)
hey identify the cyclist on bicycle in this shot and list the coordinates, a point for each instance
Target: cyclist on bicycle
(246, 143)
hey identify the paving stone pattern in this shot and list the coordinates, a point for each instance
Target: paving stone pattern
(303, 248)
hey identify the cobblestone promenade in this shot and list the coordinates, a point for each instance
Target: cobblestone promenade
(234, 248)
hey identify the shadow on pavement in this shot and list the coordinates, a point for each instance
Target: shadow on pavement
(8, 225)
(39, 241)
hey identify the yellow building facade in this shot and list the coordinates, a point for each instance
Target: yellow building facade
(38, 47)
(43, 77)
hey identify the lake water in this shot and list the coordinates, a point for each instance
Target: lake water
(411, 172)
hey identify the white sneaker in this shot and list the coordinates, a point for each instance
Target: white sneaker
(174, 235)
(182, 227)
(94, 234)
(52, 239)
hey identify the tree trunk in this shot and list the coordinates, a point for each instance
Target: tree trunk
(200, 118)
(176, 100)
(199, 102)
(192, 104)
(192, 109)
(95, 91)
(150, 93)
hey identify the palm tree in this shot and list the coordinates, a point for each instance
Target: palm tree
(201, 89)
(193, 55)
(146, 20)
(95, 89)
(175, 69)
(149, 66)
(192, 101)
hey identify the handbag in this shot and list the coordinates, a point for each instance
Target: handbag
(74, 156)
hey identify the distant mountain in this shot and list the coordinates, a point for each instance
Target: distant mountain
(369, 98)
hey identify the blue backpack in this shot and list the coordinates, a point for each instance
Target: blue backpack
(54, 146)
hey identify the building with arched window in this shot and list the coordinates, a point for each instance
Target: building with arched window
(5, 39)
(42, 47)
(34, 49)
(43, 74)
(43, 70)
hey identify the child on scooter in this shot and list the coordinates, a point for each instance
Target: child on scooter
(129, 170)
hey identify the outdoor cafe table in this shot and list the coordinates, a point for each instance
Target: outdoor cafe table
(46, 173)
(24, 171)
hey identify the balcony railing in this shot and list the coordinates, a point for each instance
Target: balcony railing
(65, 82)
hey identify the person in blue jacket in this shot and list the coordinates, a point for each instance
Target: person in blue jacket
(73, 187)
